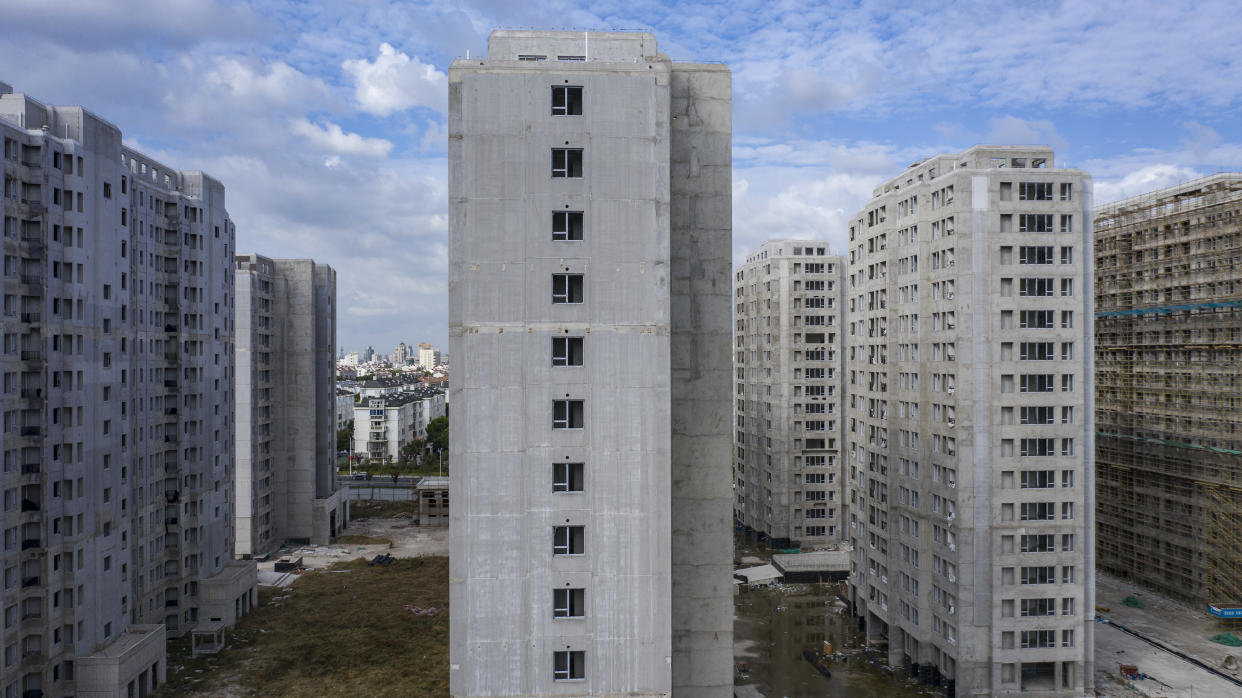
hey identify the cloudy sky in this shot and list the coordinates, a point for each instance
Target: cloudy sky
(325, 119)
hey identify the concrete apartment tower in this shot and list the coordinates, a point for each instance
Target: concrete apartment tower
(1168, 330)
(788, 396)
(970, 422)
(118, 351)
(589, 262)
(286, 405)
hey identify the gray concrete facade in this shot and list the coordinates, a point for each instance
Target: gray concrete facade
(286, 404)
(970, 423)
(589, 314)
(118, 357)
(788, 398)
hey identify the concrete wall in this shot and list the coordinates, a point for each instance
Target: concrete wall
(136, 659)
(502, 258)
(655, 380)
(230, 594)
(701, 222)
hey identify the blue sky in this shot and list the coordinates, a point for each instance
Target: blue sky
(325, 120)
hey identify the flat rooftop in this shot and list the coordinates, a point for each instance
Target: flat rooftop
(128, 639)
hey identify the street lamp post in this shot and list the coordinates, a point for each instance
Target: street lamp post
(440, 452)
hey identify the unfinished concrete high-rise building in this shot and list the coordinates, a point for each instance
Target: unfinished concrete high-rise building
(788, 398)
(118, 352)
(286, 405)
(970, 425)
(589, 266)
(1168, 332)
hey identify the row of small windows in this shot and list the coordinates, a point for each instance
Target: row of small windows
(568, 477)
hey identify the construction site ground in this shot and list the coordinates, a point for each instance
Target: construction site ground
(1171, 623)
(405, 540)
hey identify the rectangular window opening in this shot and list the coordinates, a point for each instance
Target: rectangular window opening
(566, 100)
(567, 226)
(567, 162)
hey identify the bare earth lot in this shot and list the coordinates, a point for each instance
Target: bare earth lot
(343, 628)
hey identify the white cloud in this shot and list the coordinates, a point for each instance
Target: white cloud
(1141, 181)
(331, 138)
(396, 82)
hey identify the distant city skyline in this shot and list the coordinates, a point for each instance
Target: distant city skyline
(327, 123)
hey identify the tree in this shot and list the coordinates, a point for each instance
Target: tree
(438, 433)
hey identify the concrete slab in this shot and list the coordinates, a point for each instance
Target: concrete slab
(1173, 677)
(1169, 622)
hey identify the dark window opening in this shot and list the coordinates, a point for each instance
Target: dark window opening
(567, 226)
(566, 101)
(567, 162)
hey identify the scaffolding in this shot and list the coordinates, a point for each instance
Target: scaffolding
(1168, 332)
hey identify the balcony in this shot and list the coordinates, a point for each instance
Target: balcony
(32, 393)
(30, 505)
(30, 469)
(170, 411)
(32, 280)
(32, 431)
(28, 582)
(32, 355)
(170, 384)
(32, 318)
(32, 543)
(33, 208)
(170, 328)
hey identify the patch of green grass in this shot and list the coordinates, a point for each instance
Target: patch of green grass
(337, 632)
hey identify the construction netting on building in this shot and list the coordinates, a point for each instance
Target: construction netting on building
(1169, 389)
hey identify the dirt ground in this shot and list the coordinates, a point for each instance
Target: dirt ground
(1169, 622)
(408, 540)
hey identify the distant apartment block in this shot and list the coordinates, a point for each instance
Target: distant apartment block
(286, 405)
(1168, 329)
(117, 372)
(970, 422)
(428, 356)
(384, 426)
(788, 396)
(589, 261)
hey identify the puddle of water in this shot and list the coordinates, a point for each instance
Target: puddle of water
(773, 627)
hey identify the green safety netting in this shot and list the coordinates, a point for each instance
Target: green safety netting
(1227, 639)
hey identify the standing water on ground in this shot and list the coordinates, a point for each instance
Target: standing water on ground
(772, 629)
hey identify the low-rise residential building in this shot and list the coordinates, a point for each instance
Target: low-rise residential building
(383, 426)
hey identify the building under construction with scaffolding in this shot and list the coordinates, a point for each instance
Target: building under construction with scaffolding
(1168, 332)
